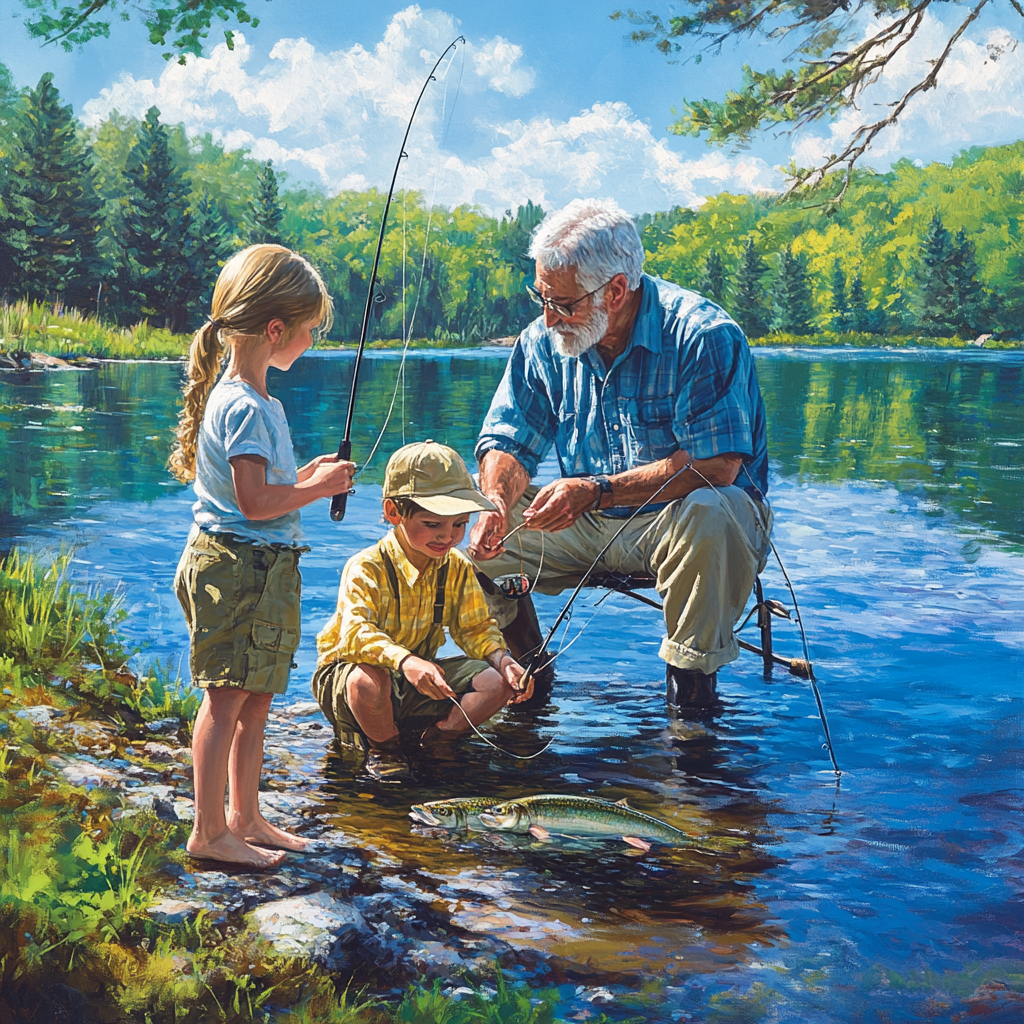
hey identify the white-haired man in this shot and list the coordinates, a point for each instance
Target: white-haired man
(631, 379)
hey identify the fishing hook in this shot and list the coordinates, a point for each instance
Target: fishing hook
(339, 501)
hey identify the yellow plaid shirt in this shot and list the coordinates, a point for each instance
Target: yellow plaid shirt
(365, 628)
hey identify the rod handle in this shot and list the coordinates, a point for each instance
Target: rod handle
(339, 501)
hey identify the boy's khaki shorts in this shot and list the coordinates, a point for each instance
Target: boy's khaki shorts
(241, 602)
(330, 688)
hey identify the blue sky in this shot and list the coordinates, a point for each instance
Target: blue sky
(550, 99)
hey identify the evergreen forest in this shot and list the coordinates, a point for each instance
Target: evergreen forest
(131, 220)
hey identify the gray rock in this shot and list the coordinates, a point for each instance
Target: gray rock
(171, 911)
(300, 709)
(158, 752)
(164, 725)
(39, 714)
(314, 925)
(144, 798)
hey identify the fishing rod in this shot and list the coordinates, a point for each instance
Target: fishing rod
(339, 501)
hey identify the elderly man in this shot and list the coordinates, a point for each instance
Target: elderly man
(646, 391)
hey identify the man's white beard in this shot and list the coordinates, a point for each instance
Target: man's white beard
(572, 340)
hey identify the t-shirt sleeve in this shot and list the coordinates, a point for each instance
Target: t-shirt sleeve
(245, 432)
(712, 412)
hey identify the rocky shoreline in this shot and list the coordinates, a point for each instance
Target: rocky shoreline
(349, 907)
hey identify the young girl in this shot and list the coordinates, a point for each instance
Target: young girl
(238, 578)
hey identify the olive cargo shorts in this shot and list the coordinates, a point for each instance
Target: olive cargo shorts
(330, 688)
(241, 602)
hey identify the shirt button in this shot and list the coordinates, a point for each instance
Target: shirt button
(615, 427)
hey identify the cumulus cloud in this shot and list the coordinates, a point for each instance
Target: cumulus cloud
(340, 116)
(979, 100)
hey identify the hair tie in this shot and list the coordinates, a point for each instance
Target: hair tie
(217, 324)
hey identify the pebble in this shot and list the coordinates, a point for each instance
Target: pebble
(314, 925)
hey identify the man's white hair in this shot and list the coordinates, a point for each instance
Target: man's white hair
(596, 236)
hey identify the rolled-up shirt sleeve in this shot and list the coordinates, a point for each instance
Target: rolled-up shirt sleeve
(520, 420)
(713, 414)
(245, 433)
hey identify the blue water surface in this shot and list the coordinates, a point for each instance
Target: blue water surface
(890, 894)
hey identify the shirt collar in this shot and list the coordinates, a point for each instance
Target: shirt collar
(646, 329)
(409, 572)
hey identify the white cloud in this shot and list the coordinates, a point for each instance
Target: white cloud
(979, 100)
(341, 116)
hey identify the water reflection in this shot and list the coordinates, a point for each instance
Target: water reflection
(944, 426)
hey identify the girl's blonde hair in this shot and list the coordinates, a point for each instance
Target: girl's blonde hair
(257, 285)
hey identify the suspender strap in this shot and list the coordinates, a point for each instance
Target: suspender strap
(442, 579)
(389, 568)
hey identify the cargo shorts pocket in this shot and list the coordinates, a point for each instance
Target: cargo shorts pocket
(269, 657)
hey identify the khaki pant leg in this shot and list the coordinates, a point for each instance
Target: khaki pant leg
(705, 560)
(561, 557)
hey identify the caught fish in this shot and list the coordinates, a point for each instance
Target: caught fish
(580, 817)
(457, 813)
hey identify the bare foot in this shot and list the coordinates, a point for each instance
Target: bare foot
(229, 848)
(262, 832)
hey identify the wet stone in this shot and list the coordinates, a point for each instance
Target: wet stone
(314, 925)
(159, 752)
(173, 911)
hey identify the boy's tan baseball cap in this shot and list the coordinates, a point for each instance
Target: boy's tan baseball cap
(435, 477)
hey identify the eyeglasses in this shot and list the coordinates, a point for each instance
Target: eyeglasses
(563, 309)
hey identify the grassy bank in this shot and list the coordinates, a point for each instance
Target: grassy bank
(79, 870)
(70, 334)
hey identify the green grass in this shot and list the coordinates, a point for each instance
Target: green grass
(828, 339)
(68, 333)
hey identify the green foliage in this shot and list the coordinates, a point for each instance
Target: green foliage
(68, 333)
(266, 210)
(750, 302)
(51, 214)
(791, 295)
(155, 222)
(714, 283)
(516, 1005)
(187, 22)
(840, 303)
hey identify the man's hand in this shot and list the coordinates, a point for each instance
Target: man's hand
(485, 537)
(426, 677)
(560, 504)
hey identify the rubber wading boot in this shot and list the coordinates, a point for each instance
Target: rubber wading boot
(689, 690)
(524, 638)
(386, 762)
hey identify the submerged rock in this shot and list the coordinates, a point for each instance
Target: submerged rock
(314, 925)
(171, 911)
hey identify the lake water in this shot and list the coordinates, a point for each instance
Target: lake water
(898, 488)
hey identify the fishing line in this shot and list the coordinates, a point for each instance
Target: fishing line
(407, 332)
(501, 750)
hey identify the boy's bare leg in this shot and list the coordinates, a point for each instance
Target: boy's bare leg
(212, 742)
(244, 768)
(489, 695)
(369, 700)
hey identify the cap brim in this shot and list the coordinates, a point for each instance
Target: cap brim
(455, 504)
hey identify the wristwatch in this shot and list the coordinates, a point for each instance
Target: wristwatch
(606, 488)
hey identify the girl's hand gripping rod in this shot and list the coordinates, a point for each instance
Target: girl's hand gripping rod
(339, 501)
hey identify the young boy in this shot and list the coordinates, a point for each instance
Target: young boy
(376, 665)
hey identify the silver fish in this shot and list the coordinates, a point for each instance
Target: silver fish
(580, 816)
(457, 813)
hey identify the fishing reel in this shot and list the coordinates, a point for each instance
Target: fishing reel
(513, 585)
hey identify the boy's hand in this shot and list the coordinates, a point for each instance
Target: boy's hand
(512, 672)
(426, 677)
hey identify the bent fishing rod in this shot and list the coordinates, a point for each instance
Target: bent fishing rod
(339, 501)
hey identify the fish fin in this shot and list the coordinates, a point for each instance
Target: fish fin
(639, 844)
(539, 833)
(622, 803)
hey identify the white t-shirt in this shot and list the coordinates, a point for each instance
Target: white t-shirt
(240, 421)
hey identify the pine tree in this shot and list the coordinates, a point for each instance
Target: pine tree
(208, 247)
(714, 283)
(793, 305)
(749, 305)
(155, 222)
(840, 303)
(934, 300)
(970, 303)
(53, 210)
(266, 209)
(857, 306)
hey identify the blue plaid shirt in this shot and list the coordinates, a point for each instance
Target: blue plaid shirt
(685, 380)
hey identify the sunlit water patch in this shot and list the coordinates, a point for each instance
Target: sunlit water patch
(897, 485)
